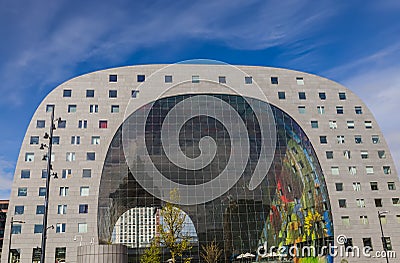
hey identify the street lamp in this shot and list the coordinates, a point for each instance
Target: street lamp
(11, 229)
(380, 213)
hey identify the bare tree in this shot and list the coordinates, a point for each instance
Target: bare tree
(211, 252)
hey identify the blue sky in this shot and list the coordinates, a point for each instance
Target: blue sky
(44, 43)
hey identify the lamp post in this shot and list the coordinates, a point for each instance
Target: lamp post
(11, 229)
(380, 213)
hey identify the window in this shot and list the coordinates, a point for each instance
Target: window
(374, 186)
(381, 155)
(44, 173)
(67, 93)
(342, 203)
(75, 140)
(64, 191)
(339, 110)
(96, 140)
(71, 108)
(369, 169)
(25, 174)
(19, 210)
(346, 220)
(329, 154)
(367, 242)
(89, 93)
(42, 191)
(378, 202)
(221, 79)
(302, 95)
(364, 155)
(339, 187)
(135, 93)
(55, 140)
(195, 79)
(352, 170)
(40, 209)
(358, 109)
(82, 124)
(350, 124)
(248, 80)
(322, 95)
(360, 202)
(40, 124)
(62, 124)
(168, 78)
(332, 125)
(302, 109)
(114, 108)
(49, 107)
(82, 227)
(34, 140)
(62, 209)
(87, 173)
(375, 139)
(335, 170)
(398, 218)
(347, 154)
(93, 108)
(357, 186)
(90, 156)
(281, 95)
(113, 78)
(342, 95)
(60, 228)
(70, 157)
(141, 78)
(37, 229)
(29, 157)
(103, 124)
(314, 124)
(274, 80)
(357, 139)
(321, 109)
(300, 81)
(66, 173)
(323, 140)
(391, 186)
(16, 229)
(387, 243)
(60, 254)
(364, 220)
(112, 93)
(83, 209)
(84, 191)
(396, 201)
(340, 139)
(368, 124)
(386, 170)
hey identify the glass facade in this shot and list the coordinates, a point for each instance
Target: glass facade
(290, 207)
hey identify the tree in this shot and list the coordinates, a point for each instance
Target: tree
(152, 253)
(211, 252)
(171, 229)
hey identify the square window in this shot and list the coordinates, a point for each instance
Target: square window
(378, 202)
(112, 93)
(302, 95)
(347, 154)
(346, 220)
(60, 228)
(357, 186)
(64, 191)
(323, 140)
(62, 209)
(113, 78)
(55, 140)
(87, 173)
(114, 108)
(49, 107)
(274, 80)
(332, 125)
(89, 93)
(19, 210)
(375, 139)
(339, 110)
(352, 170)
(342, 203)
(75, 140)
(40, 124)
(40, 209)
(42, 191)
(66, 173)
(62, 124)
(358, 109)
(71, 108)
(67, 93)
(350, 124)
(82, 228)
(314, 124)
(386, 170)
(37, 229)
(16, 229)
(134, 94)
(93, 108)
(369, 169)
(367, 242)
(329, 155)
(29, 157)
(396, 201)
(222, 79)
(322, 95)
(195, 79)
(391, 186)
(381, 154)
(82, 124)
(302, 109)
(248, 80)
(168, 78)
(364, 220)
(342, 95)
(141, 78)
(335, 170)
(357, 139)
(70, 157)
(25, 174)
(60, 254)
(360, 203)
(281, 95)
(368, 124)
(300, 81)
(90, 156)
(364, 155)
(83, 209)
(102, 124)
(95, 140)
(374, 186)
(339, 187)
(84, 191)
(321, 109)
(44, 173)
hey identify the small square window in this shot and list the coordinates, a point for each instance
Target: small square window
(342, 203)
(300, 81)
(396, 201)
(314, 124)
(374, 186)
(322, 95)
(347, 154)
(329, 154)
(40, 209)
(25, 174)
(42, 191)
(19, 210)
(87, 173)
(358, 109)
(168, 78)
(82, 124)
(302, 95)
(95, 140)
(381, 154)
(342, 95)
(134, 94)
(350, 124)
(321, 109)
(62, 124)
(141, 78)
(113, 78)
(364, 155)
(281, 95)
(84, 191)
(93, 108)
(357, 139)
(62, 209)
(368, 124)
(89, 93)
(357, 186)
(222, 79)
(346, 220)
(71, 108)
(114, 108)
(369, 169)
(55, 140)
(378, 202)
(44, 173)
(352, 170)
(387, 170)
(40, 124)
(34, 140)
(75, 140)
(391, 186)
(49, 107)
(302, 109)
(66, 173)
(60, 228)
(335, 170)
(274, 80)
(195, 79)
(70, 156)
(64, 191)
(82, 228)
(67, 93)
(16, 229)
(339, 187)
(112, 93)
(103, 124)
(248, 80)
(332, 125)
(375, 139)
(367, 242)
(29, 157)
(83, 209)
(364, 220)
(90, 156)
(339, 110)
(323, 140)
